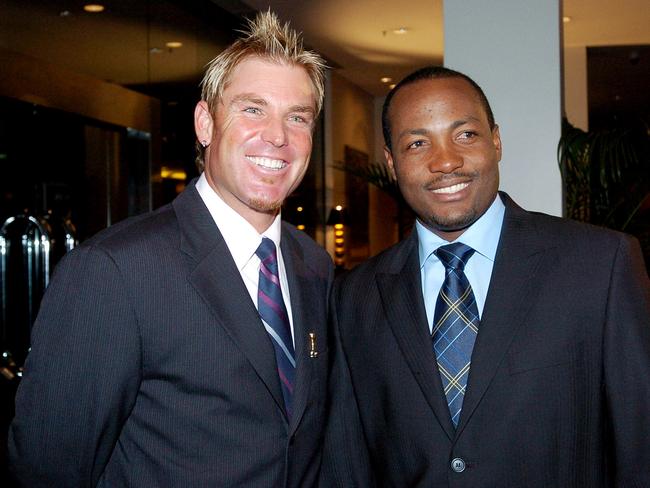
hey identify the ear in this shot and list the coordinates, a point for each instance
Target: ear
(389, 162)
(203, 122)
(496, 140)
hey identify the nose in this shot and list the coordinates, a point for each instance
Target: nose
(275, 132)
(445, 159)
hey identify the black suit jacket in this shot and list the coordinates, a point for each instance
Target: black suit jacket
(150, 366)
(559, 386)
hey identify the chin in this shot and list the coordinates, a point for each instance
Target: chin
(452, 223)
(266, 206)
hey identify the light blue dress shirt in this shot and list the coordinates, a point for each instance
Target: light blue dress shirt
(482, 236)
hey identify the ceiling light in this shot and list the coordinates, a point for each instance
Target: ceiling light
(400, 30)
(94, 8)
(391, 86)
(566, 19)
(64, 13)
(174, 44)
(386, 79)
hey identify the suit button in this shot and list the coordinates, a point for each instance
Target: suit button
(458, 465)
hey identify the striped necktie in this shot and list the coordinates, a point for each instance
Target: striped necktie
(455, 325)
(273, 313)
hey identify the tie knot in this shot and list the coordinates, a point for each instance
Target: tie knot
(454, 255)
(266, 250)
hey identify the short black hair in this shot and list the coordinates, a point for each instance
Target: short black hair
(431, 73)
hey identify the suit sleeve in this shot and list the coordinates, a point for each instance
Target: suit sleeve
(81, 376)
(627, 365)
(346, 461)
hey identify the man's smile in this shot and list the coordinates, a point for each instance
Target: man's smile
(268, 163)
(451, 189)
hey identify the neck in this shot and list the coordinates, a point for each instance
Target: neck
(260, 221)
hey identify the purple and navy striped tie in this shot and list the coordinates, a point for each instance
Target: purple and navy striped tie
(270, 306)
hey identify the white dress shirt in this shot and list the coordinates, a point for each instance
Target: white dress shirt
(483, 236)
(243, 240)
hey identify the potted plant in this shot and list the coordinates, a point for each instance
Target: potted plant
(606, 177)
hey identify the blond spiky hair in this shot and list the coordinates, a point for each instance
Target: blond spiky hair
(266, 38)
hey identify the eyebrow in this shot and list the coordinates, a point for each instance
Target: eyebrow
(454, 125)
(303, 109)
(256, 99)
(468, 119)
(413, 132)
(248, 97)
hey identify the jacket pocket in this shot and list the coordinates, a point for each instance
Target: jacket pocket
(530, 360)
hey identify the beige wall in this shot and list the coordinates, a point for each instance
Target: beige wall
(576, 107)
(352, 123)
(517, 63)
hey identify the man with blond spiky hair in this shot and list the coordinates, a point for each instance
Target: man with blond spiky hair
(197, 330)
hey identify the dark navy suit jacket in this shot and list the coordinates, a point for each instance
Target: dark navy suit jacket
(150, 366)
(559, 386)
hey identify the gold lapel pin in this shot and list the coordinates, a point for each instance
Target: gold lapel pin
(313, 353)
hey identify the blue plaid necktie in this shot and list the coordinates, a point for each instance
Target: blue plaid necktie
(455, 325)
(270, 306)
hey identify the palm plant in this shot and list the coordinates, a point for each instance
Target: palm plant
(375, 173)
(606, 176)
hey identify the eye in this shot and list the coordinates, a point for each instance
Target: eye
(416, 144)
(468, 134)
(252, 110)
(302, 119)
(299, 119)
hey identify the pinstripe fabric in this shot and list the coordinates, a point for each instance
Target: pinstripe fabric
(455, 325)
(273, 312)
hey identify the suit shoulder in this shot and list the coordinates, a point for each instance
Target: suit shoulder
(390, 260)
(309, 245)
(581, 244)
(145, 231)
(565, 231)
(130, 252)
(560, 231)
(314, 254)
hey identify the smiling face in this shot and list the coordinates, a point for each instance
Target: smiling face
(444, 153)
(260, 137)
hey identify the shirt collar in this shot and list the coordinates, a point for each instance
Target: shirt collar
(241, 237)
(482, 235)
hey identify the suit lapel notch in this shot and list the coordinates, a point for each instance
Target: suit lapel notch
(401, 296)
(513, 287)
(215, 277)
(227, 297)
(301, 292)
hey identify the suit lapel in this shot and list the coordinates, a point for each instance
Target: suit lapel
(401, 296)
(513, 286)
(216, 279)
(302, 293)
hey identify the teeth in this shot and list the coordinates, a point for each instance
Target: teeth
(267, 163)
(452, 188)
